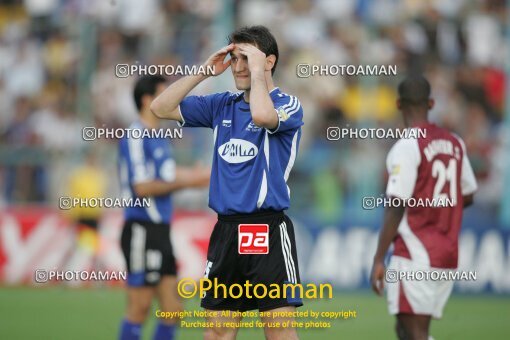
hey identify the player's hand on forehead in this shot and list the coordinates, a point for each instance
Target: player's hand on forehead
(246, 48)
(256, 58)
(225, 50)
(222, 53)
(217, 60)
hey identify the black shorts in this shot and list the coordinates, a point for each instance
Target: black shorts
(148, 252)
(228, 266)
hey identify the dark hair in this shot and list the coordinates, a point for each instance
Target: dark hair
(259, 36)
(146, 85)
(414, 91)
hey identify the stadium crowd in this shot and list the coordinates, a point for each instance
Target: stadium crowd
(57, 75)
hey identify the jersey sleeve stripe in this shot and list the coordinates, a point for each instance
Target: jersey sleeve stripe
(290, 103)
(292, 107)
(295, 110)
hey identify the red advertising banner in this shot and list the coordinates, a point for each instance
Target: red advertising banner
(38, 238)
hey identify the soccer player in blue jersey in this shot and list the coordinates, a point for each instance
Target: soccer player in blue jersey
(147, 169)
(256, 139)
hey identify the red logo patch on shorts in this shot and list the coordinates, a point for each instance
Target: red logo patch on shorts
(253, 239)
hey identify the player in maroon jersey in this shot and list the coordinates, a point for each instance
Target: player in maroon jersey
(430, 169)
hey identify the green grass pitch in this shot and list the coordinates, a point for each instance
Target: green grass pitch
(65, 313)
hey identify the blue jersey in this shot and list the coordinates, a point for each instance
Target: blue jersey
(142, 160)
(251, 164)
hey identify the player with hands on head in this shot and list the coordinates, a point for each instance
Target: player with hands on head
(256, 138)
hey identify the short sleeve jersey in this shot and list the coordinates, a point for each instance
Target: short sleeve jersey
(251, 165)
(430, 169)
(142, 160)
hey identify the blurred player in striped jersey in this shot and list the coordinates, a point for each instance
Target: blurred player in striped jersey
(425, 238)
(256, 138)
(147, 169)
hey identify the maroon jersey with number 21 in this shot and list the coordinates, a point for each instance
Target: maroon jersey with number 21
(431, 174)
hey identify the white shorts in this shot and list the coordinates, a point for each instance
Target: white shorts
(413, 296)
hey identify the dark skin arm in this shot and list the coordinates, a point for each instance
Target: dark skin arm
(392, 218)
(468, 200)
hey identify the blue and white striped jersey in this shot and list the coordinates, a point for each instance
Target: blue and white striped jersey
(143, 160)
(251, 165)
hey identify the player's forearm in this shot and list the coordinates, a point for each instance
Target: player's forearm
(192, 177)
(184, 178)
(166, 105)
(392, 218)
(261, 106)
(155, 188)
(467, 200)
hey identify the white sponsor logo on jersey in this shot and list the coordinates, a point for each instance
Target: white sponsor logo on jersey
(238, 151)
(253, 128)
